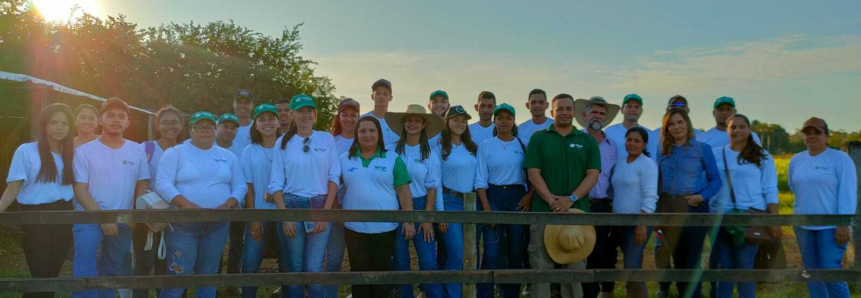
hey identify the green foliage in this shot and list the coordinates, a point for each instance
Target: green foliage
(192, 66)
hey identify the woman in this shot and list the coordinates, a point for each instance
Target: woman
(256, 163)
(40, 179)
(344, 130)
(752, 186)
(372, 186)
(457, 153)
(635, 188)
(682, 164)
(168, 127)
(86, 120)
(305, 175)
(500, 183)
(413, 127)
(198, 175)
(823, 180)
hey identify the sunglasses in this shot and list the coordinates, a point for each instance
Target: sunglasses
(677, 105)
(305, 143)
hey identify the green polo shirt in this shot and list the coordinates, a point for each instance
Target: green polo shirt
(402, 175)
(563, 161)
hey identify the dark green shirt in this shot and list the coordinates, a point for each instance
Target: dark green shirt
(563, 162)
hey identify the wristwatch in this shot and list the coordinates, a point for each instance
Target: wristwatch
(573, 198)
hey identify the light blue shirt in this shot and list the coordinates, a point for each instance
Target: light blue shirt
(718, 139)
(458, 170)
(609, 151)
(754, 186)
(500, 163)
(479, 133)
(256, 165)
(207, 178)
(425, 174)
(823, 184)
(681, 171)
(526, 129)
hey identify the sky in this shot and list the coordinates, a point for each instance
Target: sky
(782, 61)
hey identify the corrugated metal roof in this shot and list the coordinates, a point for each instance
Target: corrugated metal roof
(57, 87)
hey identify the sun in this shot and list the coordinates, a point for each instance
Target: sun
(62, 10)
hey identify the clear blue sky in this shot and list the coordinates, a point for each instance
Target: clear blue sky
(783, 61)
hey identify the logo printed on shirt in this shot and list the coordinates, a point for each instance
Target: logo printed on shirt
(577, 146)
(380, 168)
(128, 162)
(220, 160)
(319, 149)
(353, 169)
(518, 152)
(820, 168)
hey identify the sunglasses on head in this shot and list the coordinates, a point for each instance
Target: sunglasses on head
(305, 147)
(678, 105)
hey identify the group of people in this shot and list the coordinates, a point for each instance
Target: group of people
(269, 156)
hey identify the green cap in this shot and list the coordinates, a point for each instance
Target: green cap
(264, 107)
(202, 115)
(724, 100)
(301, 101)
(227, 117)
(632, 96)
(505, 107)
(438, 93)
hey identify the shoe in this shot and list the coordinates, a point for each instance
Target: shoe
(350, 296)
(421, 295)
(276, 293)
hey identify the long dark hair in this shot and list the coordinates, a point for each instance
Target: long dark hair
(165, 110)
(513, 133)
(48, 171)
(380, 144)
(423, 142)
(753, 152)
(666, 138)
(643, 134)
(465, 138)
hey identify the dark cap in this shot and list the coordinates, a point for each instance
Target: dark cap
(114, 103)
(457, 110)
(243, 93)
(724, 100)
(348, 103)
(382, 82)
(438, 93)
(630, 97)
(816, 123)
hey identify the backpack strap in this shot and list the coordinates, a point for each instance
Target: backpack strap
(149, 148)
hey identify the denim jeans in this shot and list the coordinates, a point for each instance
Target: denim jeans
(334, 255)
(819, 250)
(632, 256)
(99, 255)
(426, 252)
(731, 256)
(194, 247)
(502, 199)
(254, 251)
(453, 240)
(306, 251)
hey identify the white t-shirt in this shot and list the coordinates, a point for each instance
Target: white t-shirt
(342, 146)
(305, 174)
(157, 152)
(207, 178)
(458, 170)
(25, 167)
(370, 188)
(243, 138)
(823, 184)
(718, 139)
(423, 173)
(111, 174)
(256, 165)
(754, 187)
(635, 185)
(500, 163)
(526, 129)
(389, 136)
(480, 133)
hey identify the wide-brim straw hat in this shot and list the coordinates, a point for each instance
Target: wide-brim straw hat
(580, 108)
(396, 120)
(567, 244)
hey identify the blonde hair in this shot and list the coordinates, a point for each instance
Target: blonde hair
(666, 139)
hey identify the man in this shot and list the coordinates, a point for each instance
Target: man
(632, 109)
(594, 114)
(724, 108)
(110, 173)
(243, 103)
(381, 96)
(537, 105)
(563, 164)
(438, 105)
(284, 115)
(483, 129)
(226, 132)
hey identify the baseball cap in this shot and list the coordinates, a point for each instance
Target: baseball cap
(439, 93)
(114, 103)
(457, 110)
(264, 107)
(301, 101)
(382, 82)
(226, 117)
(203, 115)
(724, 100)
(503, 107)
(675, 99)
(348, 103)
(816, 123)
(243, 93)
(632, 96)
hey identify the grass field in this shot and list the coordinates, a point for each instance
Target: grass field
(14, 266)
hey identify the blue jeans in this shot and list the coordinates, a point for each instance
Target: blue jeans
(334, 255)
(730, 256)
(819, 250)
(453, 246)
(426, 252)
(625, 236)
(254, 250)
(502, 199)
(194, 247)
(306, 251)
(98, 255)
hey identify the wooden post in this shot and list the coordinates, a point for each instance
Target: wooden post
(149, 125)
(854, 150)
(470, 252)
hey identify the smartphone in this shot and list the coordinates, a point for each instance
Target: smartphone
(309, 227)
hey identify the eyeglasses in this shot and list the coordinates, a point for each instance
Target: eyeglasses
(305, 143)
(203, 128)
(168, 123)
